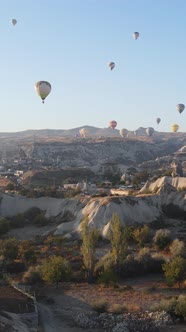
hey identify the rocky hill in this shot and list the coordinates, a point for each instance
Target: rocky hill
(132, 210)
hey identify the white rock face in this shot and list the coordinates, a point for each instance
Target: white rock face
(177, 182)
(132, 210)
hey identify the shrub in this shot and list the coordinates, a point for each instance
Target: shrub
(177, 248)
(17, 221)
(107, 278)
(40, 220)
(118, 309)
(175, 271)
(100, 306)
(176, 307)
(33, 275)
(144, 257)
(31, 213)
(55, 269)
(9, 248)
(4, 226)
(169, 305)
(181, 307)
(141, 235)
(162, 238)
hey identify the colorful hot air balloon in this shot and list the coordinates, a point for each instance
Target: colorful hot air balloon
(83, 132)
(135, 35)
(111, 65)
(112, 124)
(174, 127)
(180, 108)
(123, 133)
(158, 120)
(43, 89)
(13, 21)
(149, 131)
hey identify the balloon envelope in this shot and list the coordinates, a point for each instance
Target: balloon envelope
(180, 108)
(174, 127)
(123, 133)
(43, 89)
(158, 120)
(83, 132)
(111, 65)
(112, 124)
(149, 131)
(136, 35)
(14, 21)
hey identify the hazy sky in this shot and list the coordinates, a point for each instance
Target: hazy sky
(70, 42)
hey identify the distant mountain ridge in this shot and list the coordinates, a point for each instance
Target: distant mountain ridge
(92, 131)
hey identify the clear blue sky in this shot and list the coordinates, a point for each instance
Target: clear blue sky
(70, 42)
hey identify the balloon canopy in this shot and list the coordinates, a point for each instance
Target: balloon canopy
(123, 133)
(180, 108)
(149, 131)
(135, 35)
(158, 120)
(83, 132)
(112, 124)
(111, 65)
(43, 89)
(174, 127)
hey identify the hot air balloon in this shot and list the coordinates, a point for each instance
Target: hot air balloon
(13, 21)
(174, 127)
(180, 108)
(149, 131)
(111, 65)
(123, 133)
(136, 35)
(112, 124)
(158, 120)
(83, 132)
(43, 89)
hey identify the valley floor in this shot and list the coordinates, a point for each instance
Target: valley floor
(58, 304)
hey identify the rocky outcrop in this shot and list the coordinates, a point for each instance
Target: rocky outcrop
(176, 182)
(131, 210)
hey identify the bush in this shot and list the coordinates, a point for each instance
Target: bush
(176, 307)
(4, 226)
(107, 278)
(100, 306)
(9, 248)
(168, 305)
(141, 235)
(181, 307)
(177, 248)
(40, 220)
(56, 269)
(175, 271)
(33, 275)
(118, 309)
(17, 221)
(32, 213)
(162, 238)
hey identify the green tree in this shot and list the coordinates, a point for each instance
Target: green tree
(4, 226)
(55, 269)
(118, 237)
(141, 235)
(175, 271)
(90, 237)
